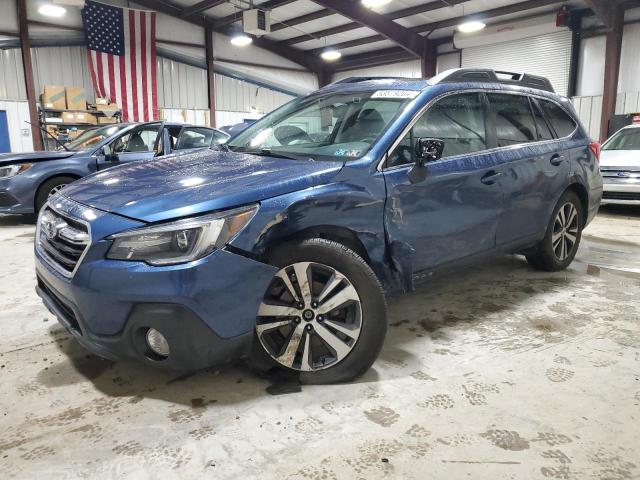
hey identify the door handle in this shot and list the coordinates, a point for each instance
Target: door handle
(557, 159)
(491, 177)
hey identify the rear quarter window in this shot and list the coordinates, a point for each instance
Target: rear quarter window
(560, 120)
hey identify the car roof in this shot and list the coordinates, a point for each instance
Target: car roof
(168, 124)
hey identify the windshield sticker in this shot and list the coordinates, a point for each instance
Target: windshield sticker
(347, 153)
(395, 94)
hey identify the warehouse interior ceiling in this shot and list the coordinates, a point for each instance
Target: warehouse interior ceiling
(363, 37)
(301, 30)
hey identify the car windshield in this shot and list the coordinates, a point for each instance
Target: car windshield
(93, 137)
(334, 126)
(627, 139)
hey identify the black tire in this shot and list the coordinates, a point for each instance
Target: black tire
(546, 257)
(372, 302)
(45, 189)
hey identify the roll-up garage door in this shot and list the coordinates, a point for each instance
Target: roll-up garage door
(546, 55)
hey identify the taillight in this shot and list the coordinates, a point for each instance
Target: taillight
(595, 148)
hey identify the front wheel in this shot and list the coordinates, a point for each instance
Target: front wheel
(324, 314)
(49, 189)
(560, 244)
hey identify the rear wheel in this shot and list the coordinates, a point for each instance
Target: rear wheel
(560, 244)
(50, 188)
(323, 316)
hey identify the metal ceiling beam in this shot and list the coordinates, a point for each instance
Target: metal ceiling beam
(200, 7)
(234, 17)
(451, 22)
(382, 57)
(309, 17)
(403, 13)
(386, 27)
(300, 57)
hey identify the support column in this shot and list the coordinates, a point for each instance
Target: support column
(576, 40)
(325, 76)
(25, 47)
(429, 60)
(611, 71)
(211, 78)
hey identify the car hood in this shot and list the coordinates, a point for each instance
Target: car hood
(204, 181)
(620, 158)
(11, 158)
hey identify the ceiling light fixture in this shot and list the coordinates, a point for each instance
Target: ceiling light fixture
(374, 3)
(241, 40)
(50, 10)
(470, 27)
(331, 55)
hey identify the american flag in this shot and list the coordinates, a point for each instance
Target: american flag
(121, 50)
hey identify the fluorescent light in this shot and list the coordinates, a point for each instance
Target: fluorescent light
(331, 55)
(52, 10)
(469, 27)
(374, 3)
(241, 40)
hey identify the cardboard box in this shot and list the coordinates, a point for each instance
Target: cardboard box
(79, 117)
(102, 101)
(54, 97)
(107, 120)
(110, 109)
(53, 130)
(76, 98)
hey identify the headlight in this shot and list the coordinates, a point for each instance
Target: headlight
(181, 241)
(13, 170)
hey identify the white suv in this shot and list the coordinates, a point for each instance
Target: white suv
(620, 166)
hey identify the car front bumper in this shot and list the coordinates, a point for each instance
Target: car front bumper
(16, 196)
(206, 309)
(622, 192)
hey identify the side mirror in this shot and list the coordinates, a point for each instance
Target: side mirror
(429, 150)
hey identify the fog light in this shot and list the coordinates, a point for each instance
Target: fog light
(157, 343)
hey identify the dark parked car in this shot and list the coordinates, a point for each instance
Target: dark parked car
(28, 179)
(282, 247)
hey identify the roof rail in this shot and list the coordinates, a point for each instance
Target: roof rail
(367, 79)
(486, 75)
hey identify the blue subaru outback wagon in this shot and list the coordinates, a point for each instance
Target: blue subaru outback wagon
(281, 246)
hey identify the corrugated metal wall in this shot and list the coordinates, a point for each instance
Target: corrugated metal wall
(66, 66)
(11, 76)
(182, 86)
(590, 109)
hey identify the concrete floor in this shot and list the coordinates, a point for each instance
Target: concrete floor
(495, 371)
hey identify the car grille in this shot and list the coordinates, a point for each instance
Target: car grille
(61, 240)
(621, 196)
(620, 173)
(67, 311)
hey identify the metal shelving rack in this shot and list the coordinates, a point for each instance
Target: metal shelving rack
(44, 113)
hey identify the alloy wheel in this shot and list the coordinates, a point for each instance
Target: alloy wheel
(56, 189)
(310, 317)
(565, 231)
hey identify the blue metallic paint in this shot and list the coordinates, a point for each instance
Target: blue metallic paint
(403, 226)
(24, 187)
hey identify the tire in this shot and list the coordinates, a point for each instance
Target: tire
(549, 255)
(347, 308)
(48, 188)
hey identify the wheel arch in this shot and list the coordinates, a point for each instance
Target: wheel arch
(581, 191)
(338, 234)
(73, 175)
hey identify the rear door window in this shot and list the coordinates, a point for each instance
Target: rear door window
(514, 119)
(560, 120)
(544, 132)
(195, 138)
